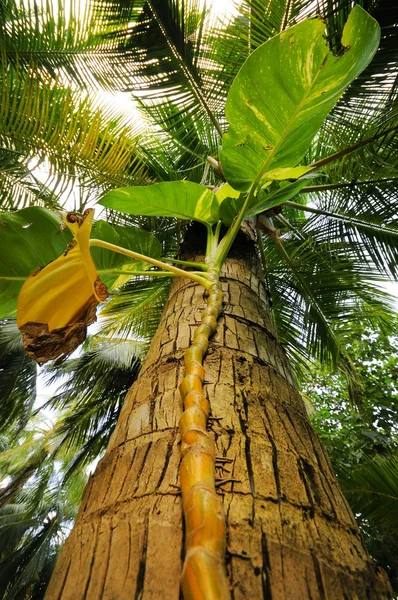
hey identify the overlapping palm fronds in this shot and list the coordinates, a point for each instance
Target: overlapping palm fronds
(170, 67)
(53, 132)
(372, 489)
(17, 379)
(38, 515)
(91, 394)
(69, 40)
(319, 290)
(57, 134)
(136, 308)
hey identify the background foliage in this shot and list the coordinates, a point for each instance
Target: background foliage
(363, 444)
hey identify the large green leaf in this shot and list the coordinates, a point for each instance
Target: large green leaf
(180, 199)
(33, 237)
(285, 90)
(30, 238)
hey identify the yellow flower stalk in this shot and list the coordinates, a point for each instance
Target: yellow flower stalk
(57, 302)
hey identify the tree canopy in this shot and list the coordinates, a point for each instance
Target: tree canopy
(327, 228)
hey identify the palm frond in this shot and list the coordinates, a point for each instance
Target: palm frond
(38, 506)
(167, 52)
(33, 529)
(54, 132)
(64, 39)
(372, 489)
(263, 19)
(8, 492)
(136, 309)
(17, 379)
(258, 20)
(91, 395)
(173, 70)
(319, 290)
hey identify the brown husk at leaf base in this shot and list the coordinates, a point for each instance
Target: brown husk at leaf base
(58, 302)
(43, 345)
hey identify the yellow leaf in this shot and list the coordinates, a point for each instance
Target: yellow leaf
(57, 302)
(226, 191)
(288, 173)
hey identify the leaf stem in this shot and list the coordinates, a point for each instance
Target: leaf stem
(337, 186)
(227, 241)
(185, 263)
(217, 232)
(157, 263)
(147, 273)
(6, 278)
(212, 243)
(350, 149)
(137, 273)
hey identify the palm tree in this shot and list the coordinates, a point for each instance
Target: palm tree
(290, 532)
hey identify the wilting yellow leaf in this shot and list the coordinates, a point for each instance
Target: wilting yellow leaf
(57, 303)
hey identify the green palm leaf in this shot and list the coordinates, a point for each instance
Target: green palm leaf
(33, 529)
(55, 38)
(36, 520)
(68, 139)
(136, 309)
(319, 289)
(168, 39)
(174, 67)
(372, 488)
(91, 393)
(17, 379)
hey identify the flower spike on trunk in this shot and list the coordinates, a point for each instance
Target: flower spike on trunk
(59, 301)
(203, 576)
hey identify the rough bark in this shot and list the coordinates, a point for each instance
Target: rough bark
(290, 531)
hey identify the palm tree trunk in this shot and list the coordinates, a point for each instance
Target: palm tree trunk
(290, 531)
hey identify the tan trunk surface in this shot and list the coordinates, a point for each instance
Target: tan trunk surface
(290, 532)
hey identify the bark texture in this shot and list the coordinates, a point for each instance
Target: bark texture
(290, 531)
